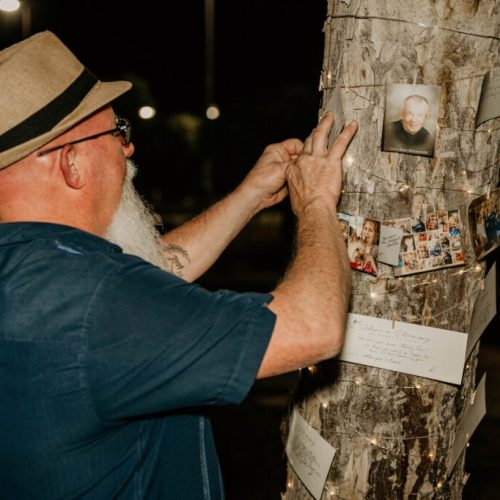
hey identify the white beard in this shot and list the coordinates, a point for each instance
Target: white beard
(133, 225)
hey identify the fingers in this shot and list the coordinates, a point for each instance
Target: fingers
(308, 144)
(342, 141)
(283, 151)
(292, 146)
(320, 134)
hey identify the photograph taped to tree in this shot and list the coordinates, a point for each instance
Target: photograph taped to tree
(410, 122)
(429, 242)
(362, 237)
(489, 104)
(484, 220)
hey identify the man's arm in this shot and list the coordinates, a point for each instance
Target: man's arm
(311, 302)
(193, 247)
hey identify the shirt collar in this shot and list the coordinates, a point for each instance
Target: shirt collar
(18, 232)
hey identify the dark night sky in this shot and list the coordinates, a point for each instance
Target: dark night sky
(268, 57)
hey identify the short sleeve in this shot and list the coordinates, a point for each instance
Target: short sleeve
(158, 343)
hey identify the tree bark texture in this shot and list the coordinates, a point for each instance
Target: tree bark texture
(394, 432)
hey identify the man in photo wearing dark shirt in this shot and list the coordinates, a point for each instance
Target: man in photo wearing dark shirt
(409, 135)
(109, 353)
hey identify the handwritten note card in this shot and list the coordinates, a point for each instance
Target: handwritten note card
(309, 455)
(389, 245)
(418, 350)
(470, 420)
(485, 309)
(489, 104)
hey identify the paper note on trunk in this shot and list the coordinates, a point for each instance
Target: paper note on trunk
(309, 455)
(485, 309)
(389, 245)
(489, 104)
(470, 420)
(404, 347)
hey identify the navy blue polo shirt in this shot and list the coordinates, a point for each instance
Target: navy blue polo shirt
(106, 366)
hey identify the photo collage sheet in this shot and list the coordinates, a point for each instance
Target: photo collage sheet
(429, 242)
(421, 244)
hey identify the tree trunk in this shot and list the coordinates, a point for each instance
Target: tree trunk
(370, 44)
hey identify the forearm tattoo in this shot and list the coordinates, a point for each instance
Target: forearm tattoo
(176, 258)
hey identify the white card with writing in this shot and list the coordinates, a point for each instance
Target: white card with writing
(489, 103)
(418, 350)
(309, 455)
(389, 245)
(485, 309)
(470, 420)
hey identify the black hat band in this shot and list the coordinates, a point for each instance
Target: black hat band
(46, 118)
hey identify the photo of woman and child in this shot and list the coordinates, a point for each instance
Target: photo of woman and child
(484, 218)
(361, 236)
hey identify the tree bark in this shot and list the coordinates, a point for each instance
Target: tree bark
(394, 432)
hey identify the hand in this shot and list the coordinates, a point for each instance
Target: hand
(266, 182)
(316, 174)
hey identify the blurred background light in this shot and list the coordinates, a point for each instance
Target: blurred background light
(147, 112)
(213, 112)
(9, 5)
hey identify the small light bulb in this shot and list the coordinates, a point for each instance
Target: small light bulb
(374, 441)
(289, 484)
(358, 381)
(311, 369)
(349, 160)
(324, 404)
(478, 267)
(373, 295)
(439, 484)
(431, 456)
(418, 386)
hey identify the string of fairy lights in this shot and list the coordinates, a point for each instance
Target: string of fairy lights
(379, 440)
(448, 183)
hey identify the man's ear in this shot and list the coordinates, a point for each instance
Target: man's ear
(74, 176)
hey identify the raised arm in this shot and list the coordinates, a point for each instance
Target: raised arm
(195, 246)
(312, 300)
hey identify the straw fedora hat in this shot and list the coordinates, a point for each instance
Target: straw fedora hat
(44, 91)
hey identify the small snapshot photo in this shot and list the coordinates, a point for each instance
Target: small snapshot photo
(410, 123)
(362, 237)
(484, 221)
(434, 241)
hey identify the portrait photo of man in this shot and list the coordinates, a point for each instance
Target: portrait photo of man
(411, 119)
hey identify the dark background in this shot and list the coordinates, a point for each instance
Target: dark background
(268, 58)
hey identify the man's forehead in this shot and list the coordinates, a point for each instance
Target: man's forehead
(415, 103)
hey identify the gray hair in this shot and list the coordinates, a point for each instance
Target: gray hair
(418, 98)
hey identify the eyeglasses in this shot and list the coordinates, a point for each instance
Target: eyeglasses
(123, 129)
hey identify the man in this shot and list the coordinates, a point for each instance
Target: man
(107, 361)
(409, 135)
